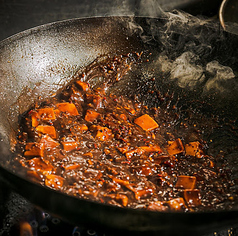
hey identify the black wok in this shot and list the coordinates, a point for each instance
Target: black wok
(39, 61)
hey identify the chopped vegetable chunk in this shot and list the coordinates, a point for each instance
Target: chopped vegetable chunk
(84, 86)
(91, 115)
(46, 129)
(157, 206)
(175, 147)
(192, 197)
(186, 182)
(46, 114)
(54, 181)
(176, 204)
(34, 149)
(146, 122)
(68, 108)
(48, 142)
(193, 149)
(69, 146)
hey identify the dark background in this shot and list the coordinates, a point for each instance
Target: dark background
(18, 15)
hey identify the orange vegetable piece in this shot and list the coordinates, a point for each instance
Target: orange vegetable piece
(91, 115)
(84, 86)
(142, 193)
(69, 146)
(193, 149)
(175, 147)
(47, 129)
(157, 206)
(34, 119)
(46, 113)
(192, 197)
(176, 204)
(146, 122)
(34, 149)
(54, 181)
(39, 165)
(88, 154)
(68, 108)
(151, 148)
(186, 182)
(82, 127)
(71, 166)
(131, 153)
(103, 133)
(48, 142)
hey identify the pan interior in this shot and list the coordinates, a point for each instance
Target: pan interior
(38, 62)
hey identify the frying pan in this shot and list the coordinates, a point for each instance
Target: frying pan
(34, 64)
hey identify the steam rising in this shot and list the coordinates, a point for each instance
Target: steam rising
(193, 52)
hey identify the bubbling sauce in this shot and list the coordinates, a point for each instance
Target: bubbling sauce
(112, 149)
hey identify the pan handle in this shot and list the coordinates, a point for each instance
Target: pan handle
(228, 16)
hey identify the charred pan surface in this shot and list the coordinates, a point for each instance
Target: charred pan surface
(93, 144)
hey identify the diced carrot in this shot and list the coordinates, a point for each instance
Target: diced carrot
(142, 193)
(102, 133)
(146, 122)
(46, 113)
(176, 204)
(48, 142)
(34, 149)
(84, 86)
(186, 182)
(192, 197)
(54, 181)
(68, 108)
(175, 147)
(39, 165)
(91, 115)
(157, 206)
(34, 119)
(151, 148)
(143, 170)
(71, 166)
(193, 149)
(47, 129)
(69, 146)
(82, 127)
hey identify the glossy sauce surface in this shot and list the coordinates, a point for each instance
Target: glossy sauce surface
(113, 149)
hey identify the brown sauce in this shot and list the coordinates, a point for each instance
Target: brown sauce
(115, 150)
